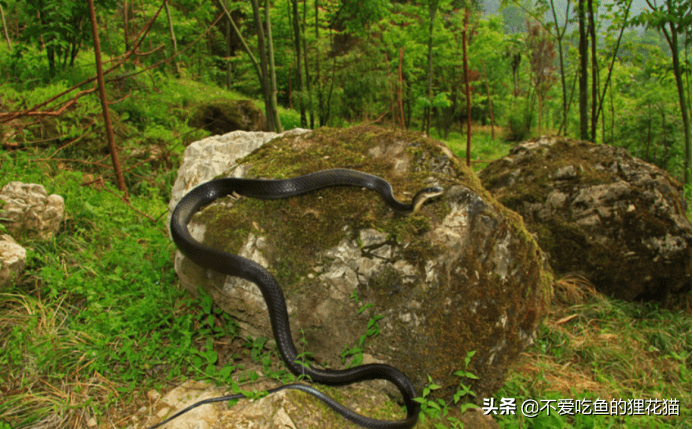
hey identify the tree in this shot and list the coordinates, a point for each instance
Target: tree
(467, 92)
(541, 61)
(60, 28)
(582, 78)
(264, 70)
(432, 9)
(297, 39)
(673, 18)
(173, 39)
(4, 28)
(104, 101)
(559, 35)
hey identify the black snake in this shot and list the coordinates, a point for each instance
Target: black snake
(235, 265)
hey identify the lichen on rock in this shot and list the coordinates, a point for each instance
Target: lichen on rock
(601, 213)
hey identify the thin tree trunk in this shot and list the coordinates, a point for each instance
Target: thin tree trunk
(309, 88)
(595, 69)
(328, 102)
(672, 40)
(649, 136)
(467, 90)
(490, 102)
(4, 26)
(318, 85)
(559, 39)
(613, 114)
(265, 83)
(432, 9)
(399, 90)
(273, 79)
(613, 59)
(104, 103)
(125, 25)
(297, 47)
(582, 49)
(173, 40)
(246, 48)
(227, 52)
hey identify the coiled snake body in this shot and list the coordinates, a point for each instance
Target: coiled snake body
(235, 265)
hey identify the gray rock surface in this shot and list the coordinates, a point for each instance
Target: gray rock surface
(26, 209)
(601, 213)
(12, 260)
(464, 275)
(282, 410)
(205, 159)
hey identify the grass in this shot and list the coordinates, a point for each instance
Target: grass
(484, 149)
(97, 318)
(593, 347)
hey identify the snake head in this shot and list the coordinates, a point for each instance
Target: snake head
(424, 195)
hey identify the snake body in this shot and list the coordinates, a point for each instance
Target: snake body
(235, 265)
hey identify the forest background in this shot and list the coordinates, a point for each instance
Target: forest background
(96, 319)
(615, 72)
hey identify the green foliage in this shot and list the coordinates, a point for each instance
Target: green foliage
(59, 28)
(607, 349)
(437, 408)
(102, 297)
(519, 125)
(355, 353)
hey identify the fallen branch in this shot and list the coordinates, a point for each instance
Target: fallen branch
(58, 112)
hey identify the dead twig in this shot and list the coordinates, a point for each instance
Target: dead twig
(58, 112)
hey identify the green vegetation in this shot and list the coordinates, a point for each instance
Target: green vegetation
(97, 318)
(592, 347)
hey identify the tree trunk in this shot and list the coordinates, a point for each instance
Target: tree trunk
(649, 136)
(673, 45)
(309, 88)
(466, 88)
(297, 47)
(227, 52)
(490, 102)
(273, 78)
(125, 25)
(264, 82)
(399, 90)
(559, 39)
(4, 26)
(176, 69)
(432, 9)
(246, 48)
(104, 104)
(613, 59)
(582, 49)
(595, 70)
(318, 85)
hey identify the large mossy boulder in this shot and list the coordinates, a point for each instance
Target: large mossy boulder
(224, 116)
(463, 275)
(601, 213)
